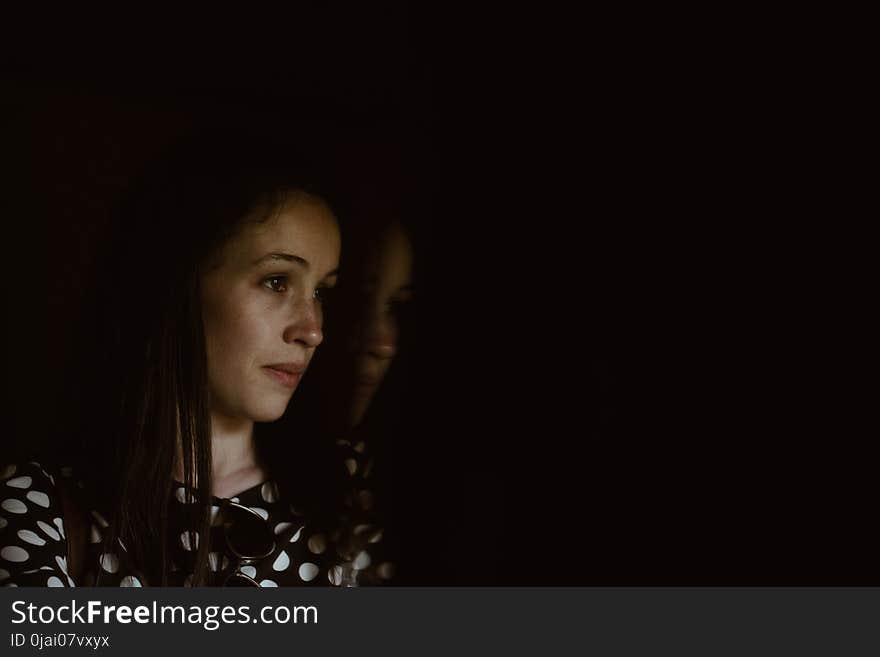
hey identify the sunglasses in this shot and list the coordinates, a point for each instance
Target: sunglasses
(248, 539)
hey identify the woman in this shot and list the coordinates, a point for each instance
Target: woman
(373, 317)
(386, 292)
(187, 466)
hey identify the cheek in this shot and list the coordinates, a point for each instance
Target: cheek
(382, 370)
(235, 337)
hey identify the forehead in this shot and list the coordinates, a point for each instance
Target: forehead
(391, 260)
(302, 225)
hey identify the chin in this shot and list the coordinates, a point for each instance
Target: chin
(358, 411)
(270, 414)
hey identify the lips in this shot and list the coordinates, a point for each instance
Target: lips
(290, 368)
(364, 380)
(287, 374)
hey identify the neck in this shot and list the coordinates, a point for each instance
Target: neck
(232, 446)
(233, 450)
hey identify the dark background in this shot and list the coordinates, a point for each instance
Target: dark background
(622, 373)
(82, 116)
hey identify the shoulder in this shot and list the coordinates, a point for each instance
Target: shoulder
(32, 531)
(26, 487)
(359, 537)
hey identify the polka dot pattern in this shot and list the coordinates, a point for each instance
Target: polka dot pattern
(282, 562)
(13, 506)
(48, 530)
(269, 492)
(14, 554)
(308, 571)
(282, 527)
(60, 525)
(317, 544)
(39, 498)
(28, 536)
(33, 548)
(282, 566)
(362, 561)
(110, 562)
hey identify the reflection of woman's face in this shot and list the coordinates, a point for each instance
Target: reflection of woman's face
(388, 285)
(261, 307)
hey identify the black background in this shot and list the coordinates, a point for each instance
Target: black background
(623, 373)
(83, 114)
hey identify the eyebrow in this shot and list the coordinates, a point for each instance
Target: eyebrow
(291, 258)
(374, 280)
(283, 256)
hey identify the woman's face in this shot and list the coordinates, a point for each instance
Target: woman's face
(387, 286)
(261, 305)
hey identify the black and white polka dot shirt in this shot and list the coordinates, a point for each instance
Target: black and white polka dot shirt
(33, 541)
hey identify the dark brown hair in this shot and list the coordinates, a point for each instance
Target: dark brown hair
(141, 366)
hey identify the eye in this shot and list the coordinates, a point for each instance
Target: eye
(396, 306)
(269, 283)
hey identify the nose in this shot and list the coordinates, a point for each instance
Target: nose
(304, 325)
(380, 339)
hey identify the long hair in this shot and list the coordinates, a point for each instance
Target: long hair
(140, 368)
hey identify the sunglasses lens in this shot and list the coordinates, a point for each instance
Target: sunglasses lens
(247, 533)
